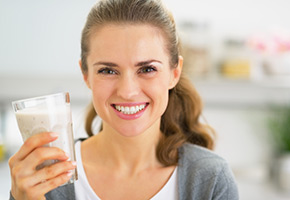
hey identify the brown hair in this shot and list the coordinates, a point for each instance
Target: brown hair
(180, 122)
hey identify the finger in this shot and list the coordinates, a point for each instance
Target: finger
(53, 183)
(26, 168)
(41, 154)
(33, 142)
(50, 172)
(55, 170)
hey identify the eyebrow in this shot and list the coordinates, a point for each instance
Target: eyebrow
(109, 64)
(147, 62)
(142, 63)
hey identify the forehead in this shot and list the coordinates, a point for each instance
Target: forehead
(137, 40)
(130, 29)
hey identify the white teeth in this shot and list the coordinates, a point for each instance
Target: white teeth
(132, 110)
(129, 110)
(118, 107)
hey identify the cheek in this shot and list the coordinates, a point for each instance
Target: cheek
(101, 90)
(158, 90)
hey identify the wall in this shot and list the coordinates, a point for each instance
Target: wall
(42, 37)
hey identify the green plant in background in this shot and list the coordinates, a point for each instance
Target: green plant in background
(280, 129)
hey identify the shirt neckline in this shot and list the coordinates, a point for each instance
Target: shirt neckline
(91, 193)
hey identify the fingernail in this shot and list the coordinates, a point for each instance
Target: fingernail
(54, 135)
(66, 154)
(74, 163)
(69, 173)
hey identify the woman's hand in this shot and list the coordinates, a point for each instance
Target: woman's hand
(29, 183)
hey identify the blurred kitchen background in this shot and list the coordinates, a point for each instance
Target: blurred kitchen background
(237, 53)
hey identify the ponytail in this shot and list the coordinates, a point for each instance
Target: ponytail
(91, 114)
(180, 123)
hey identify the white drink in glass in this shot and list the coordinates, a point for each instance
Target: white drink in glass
(50, 113)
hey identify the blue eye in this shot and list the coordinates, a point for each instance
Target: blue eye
(106, 71)
(147, 69)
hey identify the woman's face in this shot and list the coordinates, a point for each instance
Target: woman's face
(129, 75)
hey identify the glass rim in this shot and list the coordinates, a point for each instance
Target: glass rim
(40, 97)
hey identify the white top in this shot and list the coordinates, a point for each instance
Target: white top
(84, 191)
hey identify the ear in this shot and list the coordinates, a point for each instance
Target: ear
(85, 75)
(176, 72)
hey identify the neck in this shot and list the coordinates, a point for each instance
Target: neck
(131, 154)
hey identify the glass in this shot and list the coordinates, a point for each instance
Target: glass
(51, 113)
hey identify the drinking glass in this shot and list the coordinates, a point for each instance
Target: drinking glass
(51, 113)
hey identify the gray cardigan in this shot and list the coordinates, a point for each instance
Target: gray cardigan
(202, 175)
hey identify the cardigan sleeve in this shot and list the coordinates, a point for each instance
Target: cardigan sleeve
(11, 197)
(66, 192)
(225, 187)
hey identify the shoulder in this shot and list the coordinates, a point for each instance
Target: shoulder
(204, 173)
(197, 157)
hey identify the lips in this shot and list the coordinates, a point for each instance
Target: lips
(130, 109)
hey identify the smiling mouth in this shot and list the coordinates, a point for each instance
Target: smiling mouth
(130, 110)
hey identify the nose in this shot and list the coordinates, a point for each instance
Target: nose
(128, 87)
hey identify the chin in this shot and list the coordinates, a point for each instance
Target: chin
(130, 131)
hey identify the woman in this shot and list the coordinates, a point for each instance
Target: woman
(151, 144)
